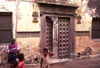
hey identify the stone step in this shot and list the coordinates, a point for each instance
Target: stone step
(52, 62)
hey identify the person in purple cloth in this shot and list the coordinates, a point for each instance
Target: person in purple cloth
(13, 50)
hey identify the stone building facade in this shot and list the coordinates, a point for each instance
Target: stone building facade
(66, 27)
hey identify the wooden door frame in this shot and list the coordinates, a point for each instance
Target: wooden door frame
(71, 32)
(8, 14)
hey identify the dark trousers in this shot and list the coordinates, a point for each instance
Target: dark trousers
(11, 57)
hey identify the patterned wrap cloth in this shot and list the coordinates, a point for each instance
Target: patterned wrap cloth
(11, 48)
(21, 64)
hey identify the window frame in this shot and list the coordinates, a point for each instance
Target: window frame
(8, 14)
(94, 19)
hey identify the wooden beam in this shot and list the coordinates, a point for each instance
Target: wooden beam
(82, 33)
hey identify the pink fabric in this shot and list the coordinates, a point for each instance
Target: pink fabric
(6, 49)
(13, 47)
(21, 64)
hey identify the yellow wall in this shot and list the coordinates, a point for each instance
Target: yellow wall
(86, 25)
(25, 19)
(29, 45)
(9, 7)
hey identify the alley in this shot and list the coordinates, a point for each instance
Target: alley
(87, 63)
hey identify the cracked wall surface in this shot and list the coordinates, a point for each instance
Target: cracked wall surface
(87, 9)
(23, 22)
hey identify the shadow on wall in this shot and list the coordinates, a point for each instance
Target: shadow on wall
(95, 4)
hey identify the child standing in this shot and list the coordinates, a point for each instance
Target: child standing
(45, 58)
(20, 61)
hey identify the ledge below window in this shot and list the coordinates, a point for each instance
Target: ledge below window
(96, 40)
(3, 44)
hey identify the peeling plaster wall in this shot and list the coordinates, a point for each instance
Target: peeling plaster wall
(25, 19)
(86, 25)
(6, 6)
(30, 46)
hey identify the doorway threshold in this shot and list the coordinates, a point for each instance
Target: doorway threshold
(52, 62)
(58, 61)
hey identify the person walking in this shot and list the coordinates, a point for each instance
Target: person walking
(45, 58)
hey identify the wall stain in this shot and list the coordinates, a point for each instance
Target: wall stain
(95, 4)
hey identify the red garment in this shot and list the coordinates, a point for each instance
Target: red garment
(21, 64)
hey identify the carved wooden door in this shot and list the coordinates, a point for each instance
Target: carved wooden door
(49, 33)
(63, 38)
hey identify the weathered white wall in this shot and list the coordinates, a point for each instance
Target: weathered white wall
(10, 6)
(28, 45)
(86, 25)
(6, 6)
(25, 19)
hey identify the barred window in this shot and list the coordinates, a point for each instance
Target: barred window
(96, 28)
(5, 27)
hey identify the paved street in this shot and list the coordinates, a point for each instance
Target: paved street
(87, 63)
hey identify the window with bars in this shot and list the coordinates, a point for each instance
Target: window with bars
(5, 27)
(96, 28)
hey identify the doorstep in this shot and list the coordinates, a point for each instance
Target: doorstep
(52, 62)
(57, 61)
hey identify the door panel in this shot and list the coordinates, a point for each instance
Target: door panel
(63, 38)
(49, 33)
